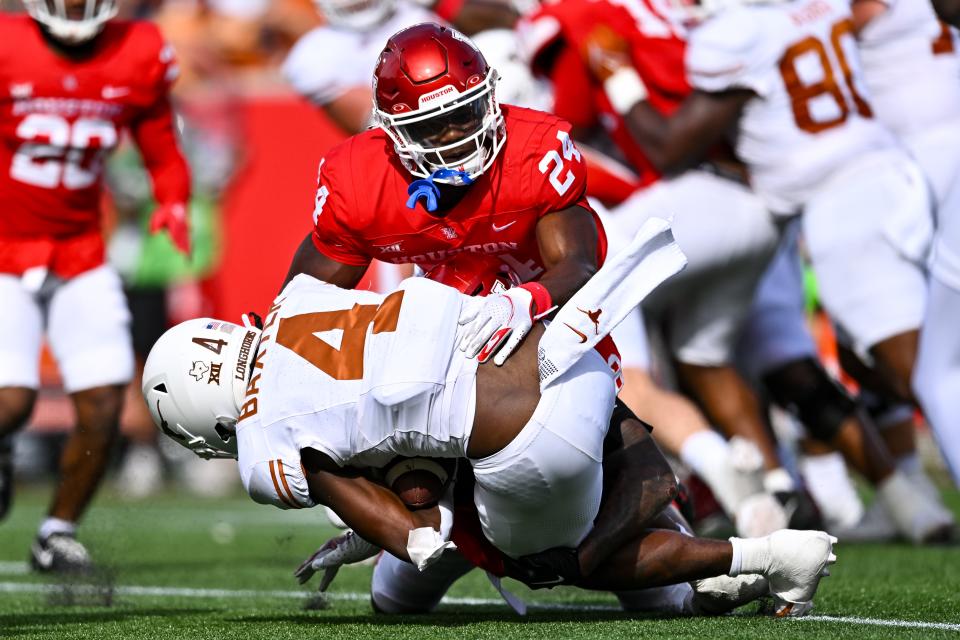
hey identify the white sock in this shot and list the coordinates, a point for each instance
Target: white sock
(718, 463)
(51, 526)
(831, 487)
(701, 450)
(750, 555)
(778, 481)
(909, 463)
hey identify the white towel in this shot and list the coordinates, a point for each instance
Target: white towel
(606, 299)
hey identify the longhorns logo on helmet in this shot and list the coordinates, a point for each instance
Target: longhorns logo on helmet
(194, 381)
(434, 97)
(70, 26)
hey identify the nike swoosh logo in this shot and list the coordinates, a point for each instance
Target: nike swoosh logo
(44, 557)
(583, 336)
(109, 93)
(506, 226)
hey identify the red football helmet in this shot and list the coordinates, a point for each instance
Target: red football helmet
(433, 94)
(475, 274)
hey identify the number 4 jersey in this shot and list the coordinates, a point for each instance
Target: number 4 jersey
(59, 117)
(358, 376)
(811, 114)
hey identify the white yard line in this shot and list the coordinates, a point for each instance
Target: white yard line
(912, 624)
(184, 592)
(14, 568)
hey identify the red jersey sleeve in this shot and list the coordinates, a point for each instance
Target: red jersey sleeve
(153, 129)
(559, 179)
(332, 235)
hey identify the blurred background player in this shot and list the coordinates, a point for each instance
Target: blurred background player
(745, 78)
(330, 66)
(911, 66)
(76, 81)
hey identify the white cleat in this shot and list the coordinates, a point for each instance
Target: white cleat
(917, 515)
(797, 561)
(722, 594)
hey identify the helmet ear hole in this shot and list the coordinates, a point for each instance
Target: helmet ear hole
(162, 388)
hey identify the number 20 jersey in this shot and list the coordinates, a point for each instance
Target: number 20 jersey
(60, 117)
(811, 115)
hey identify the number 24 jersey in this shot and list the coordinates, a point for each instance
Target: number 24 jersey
(361, 214)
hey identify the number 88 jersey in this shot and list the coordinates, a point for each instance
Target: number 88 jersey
(811, 114)
(60, 117)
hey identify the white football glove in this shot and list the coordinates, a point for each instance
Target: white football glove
(500, 324)
(347, 548)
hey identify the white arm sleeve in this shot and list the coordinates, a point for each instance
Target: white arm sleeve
(733, 50)
(318, 69)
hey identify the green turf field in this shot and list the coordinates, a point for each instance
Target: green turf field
(180, 567)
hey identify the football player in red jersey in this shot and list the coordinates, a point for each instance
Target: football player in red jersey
(72, 80)
(449, 170)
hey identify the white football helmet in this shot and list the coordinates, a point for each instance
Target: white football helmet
(356, 15)
(55, 17)
(194, 382)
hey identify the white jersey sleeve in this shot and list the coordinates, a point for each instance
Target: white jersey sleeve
(912, 67)
(733, 50)
(321, 67)
(327, 62)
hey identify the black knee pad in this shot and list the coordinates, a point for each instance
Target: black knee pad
(807, 390)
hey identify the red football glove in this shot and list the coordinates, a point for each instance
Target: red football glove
(173, 218)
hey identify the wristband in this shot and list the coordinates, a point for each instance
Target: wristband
(625, 89)
(542, 302)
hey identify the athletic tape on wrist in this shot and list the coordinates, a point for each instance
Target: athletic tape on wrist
(625, 89)
(543, 302)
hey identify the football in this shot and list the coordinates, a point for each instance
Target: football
(419, 482)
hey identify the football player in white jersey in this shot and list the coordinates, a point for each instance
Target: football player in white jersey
(341, 380)
(332, 64)
(783, 77)
(912, 69)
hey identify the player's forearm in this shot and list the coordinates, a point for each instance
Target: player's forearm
(307, 259)
(638, 485)
(156, 138)
(659, 557)
(659, 138)
(565, 278)
(374, 512)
